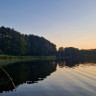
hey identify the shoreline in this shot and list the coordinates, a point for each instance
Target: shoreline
(6, 59)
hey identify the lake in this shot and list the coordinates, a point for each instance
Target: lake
(49, 78)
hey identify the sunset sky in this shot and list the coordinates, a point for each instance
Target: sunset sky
(63, 22)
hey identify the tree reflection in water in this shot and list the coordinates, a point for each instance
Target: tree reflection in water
(73, 62)
(25, 72)
(32, 72)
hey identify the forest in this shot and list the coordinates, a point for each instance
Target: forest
(14, 43)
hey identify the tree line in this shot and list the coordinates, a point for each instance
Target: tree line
(13, 42)
(75, 53)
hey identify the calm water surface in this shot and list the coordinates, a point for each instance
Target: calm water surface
(49, 78)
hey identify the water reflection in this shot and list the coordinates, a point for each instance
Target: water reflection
(32, 72)
(74, 62)
(26, 72)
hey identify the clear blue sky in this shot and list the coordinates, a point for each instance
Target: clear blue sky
(63, 22)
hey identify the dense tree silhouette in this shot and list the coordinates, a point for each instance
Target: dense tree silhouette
(14, 43)
(75, 53)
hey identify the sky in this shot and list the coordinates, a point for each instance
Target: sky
(66, 23)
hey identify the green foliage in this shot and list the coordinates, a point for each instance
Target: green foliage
(26, 57)
(15, 43)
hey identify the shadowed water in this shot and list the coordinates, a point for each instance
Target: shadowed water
(49, 78)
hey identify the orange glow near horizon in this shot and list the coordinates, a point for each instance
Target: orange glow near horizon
(85, 45)
(80, 39)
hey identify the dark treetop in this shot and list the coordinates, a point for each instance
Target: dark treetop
(15, 43)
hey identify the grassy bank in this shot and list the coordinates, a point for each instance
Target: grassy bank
(6, 59)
